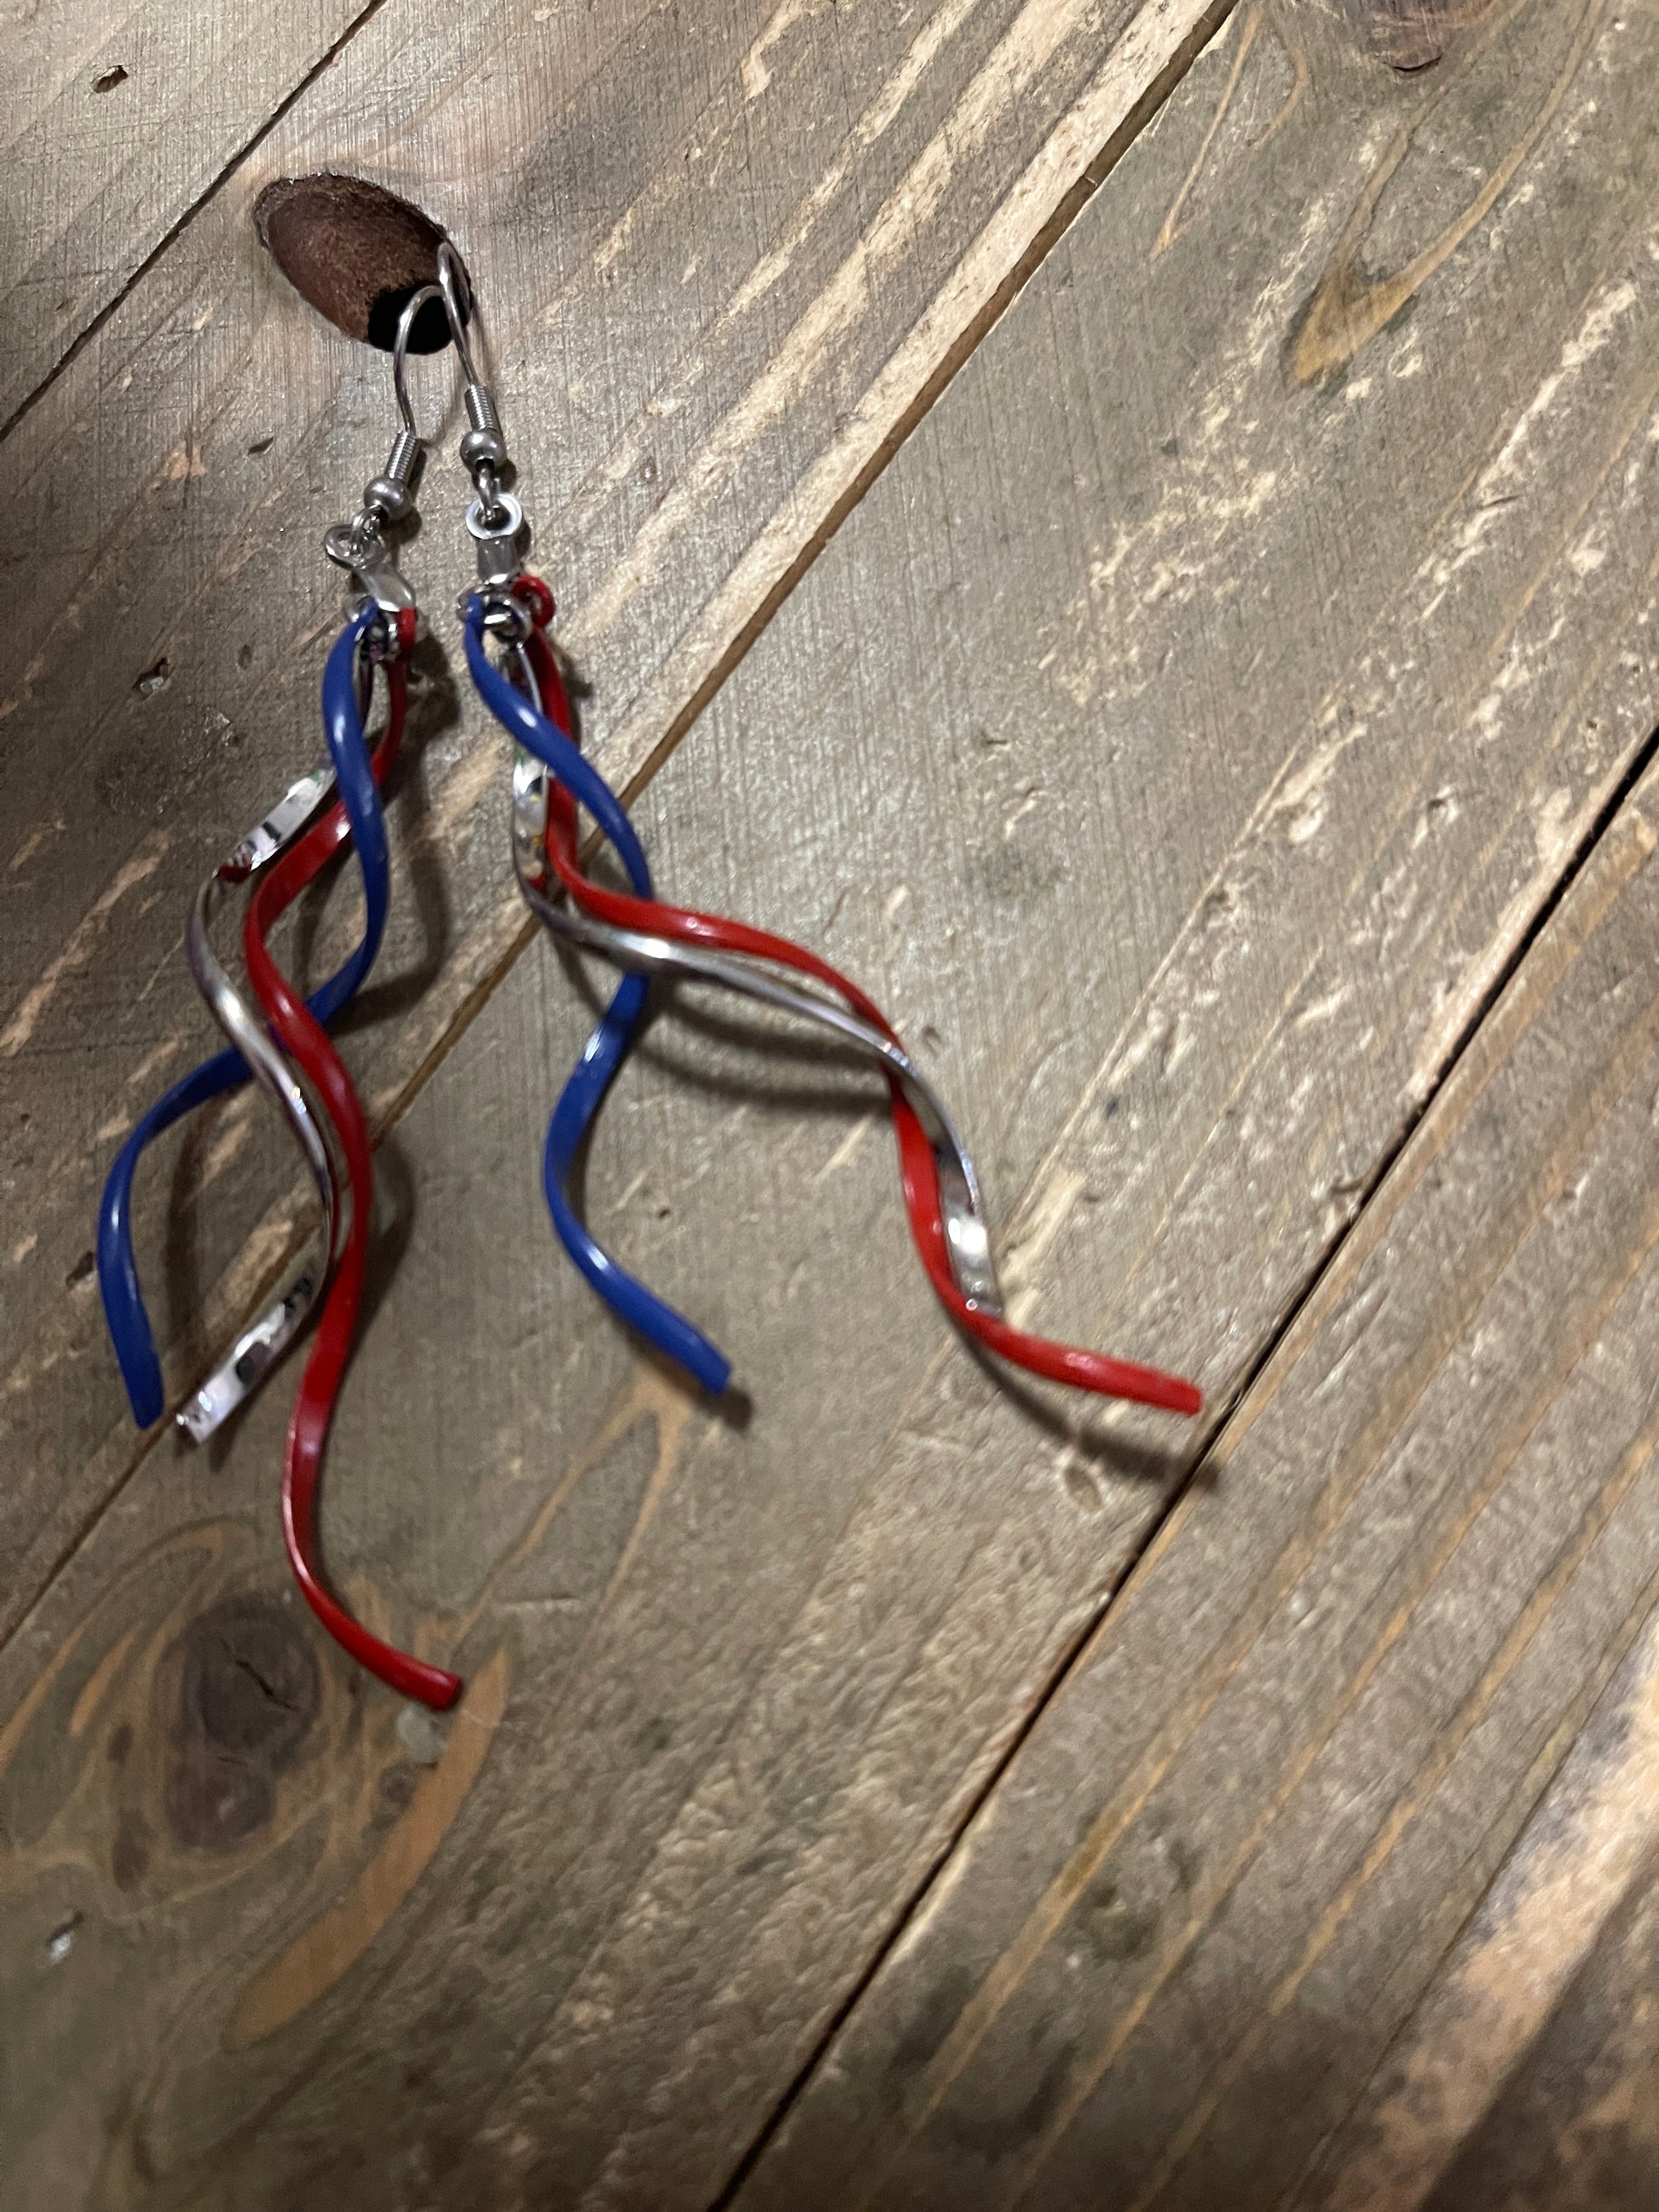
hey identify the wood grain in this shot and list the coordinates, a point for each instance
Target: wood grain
(694, 419)
(1182, 769)
(1576, 2127)
(116, 123)
(1525, 2075)
(1423, 1544)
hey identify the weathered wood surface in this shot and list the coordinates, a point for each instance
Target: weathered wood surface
(1526, 2076)
(1224, 1866)
(734, 1689)
(1577, 2129)
(718, 298)
(115, 124)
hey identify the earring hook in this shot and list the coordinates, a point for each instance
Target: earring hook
(455, 289)
(412, 307)
(389, 498)
(484, 449)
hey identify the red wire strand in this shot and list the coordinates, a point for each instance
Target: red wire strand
(919, 1170)
(303, 1037)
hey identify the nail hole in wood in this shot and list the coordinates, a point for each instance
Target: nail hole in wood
(357, 252)
(106, 80)
(1413, 35)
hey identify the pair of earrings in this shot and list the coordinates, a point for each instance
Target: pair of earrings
(285, 1047)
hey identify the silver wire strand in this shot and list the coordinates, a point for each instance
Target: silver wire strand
(961, 1207)
(262, 1344)
(259, 1346)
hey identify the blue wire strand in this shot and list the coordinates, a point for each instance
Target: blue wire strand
(118, 1272)
(583, 1096)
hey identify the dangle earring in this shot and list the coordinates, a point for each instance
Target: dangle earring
(645, 938)
(285, 1046)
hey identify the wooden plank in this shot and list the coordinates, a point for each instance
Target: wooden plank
(116, 124)
(692, 421)
(735, 1688)
(1526, 2075)
(1232, 1853)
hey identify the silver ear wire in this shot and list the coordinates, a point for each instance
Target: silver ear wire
(484, 449)
(389, 498)
(392, 491)
(406, 321)
(495, 519)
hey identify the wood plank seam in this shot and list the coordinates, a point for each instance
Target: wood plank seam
(900, 399)
(1376, 1218)
(1158, 1533)
(1298, 768)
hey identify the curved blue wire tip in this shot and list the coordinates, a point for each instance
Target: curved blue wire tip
(117, 1273)
(602, 1055)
